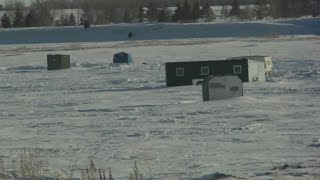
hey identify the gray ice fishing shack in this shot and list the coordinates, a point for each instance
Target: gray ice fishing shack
(221, 87)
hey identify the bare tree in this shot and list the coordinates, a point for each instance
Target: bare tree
(225, 12)
(248, 13)
(18, 20)
(140, 13)
(100, 16)
(62, 4)
(12, 5)
(164, 14)
(42, 12)
(87, 12)
(315, 7)
(129, 15)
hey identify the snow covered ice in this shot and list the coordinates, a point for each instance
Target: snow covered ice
(116, 115)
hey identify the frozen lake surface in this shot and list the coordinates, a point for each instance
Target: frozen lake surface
(161, 31)
(116, 115)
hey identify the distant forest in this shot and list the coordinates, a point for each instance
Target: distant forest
(75, 4)
(40, 12)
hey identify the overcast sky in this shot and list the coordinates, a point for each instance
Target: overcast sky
(26, 1)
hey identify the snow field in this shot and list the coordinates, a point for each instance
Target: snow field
(118, 114)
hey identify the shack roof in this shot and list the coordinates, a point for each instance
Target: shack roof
(121, 53)
(206, 61)
(248, 57)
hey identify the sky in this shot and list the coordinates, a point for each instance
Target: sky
(26, 1)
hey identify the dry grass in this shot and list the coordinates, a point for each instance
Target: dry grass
(72, 168)
(33, 164)
(135, 175)
(92, 173)
(2, 169)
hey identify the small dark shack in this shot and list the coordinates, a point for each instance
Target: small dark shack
(193, 72)
(58, 61)
(122, 57)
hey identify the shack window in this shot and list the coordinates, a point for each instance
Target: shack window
(180, 72)
(204, 70)
(237, 69)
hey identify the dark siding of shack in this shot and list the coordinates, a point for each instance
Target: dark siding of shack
(192, 70)
(58, 61)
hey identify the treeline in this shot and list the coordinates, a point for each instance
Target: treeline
(274, 9)
(76, 4)
(38, 14)
(41, 12)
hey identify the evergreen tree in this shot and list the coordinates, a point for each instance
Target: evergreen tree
(164, 15)
(72, 20)
(152, 12)
(261, 9)
(31, 19)
(186, 11)
(86, 23)
(207, 13)
(196, 11)
(1, 7)
(18, 18)
(64, 21)
(235, 8)
(177, 16)
(5, 21)
(140, 14)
